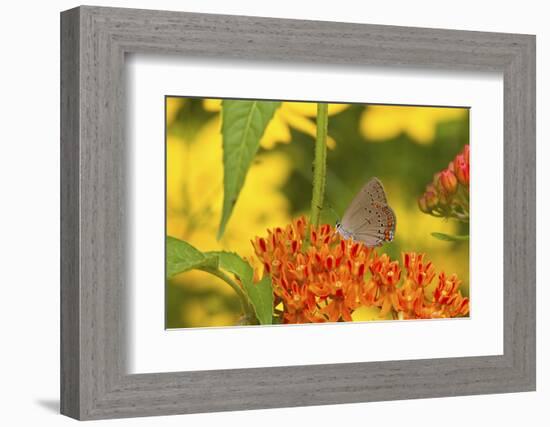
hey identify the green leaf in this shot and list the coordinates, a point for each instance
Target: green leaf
(181, 257)
(243, 125)
(259, 294)
(450, 238)
(257, 299)
(233, 263)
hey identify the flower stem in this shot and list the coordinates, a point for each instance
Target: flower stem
(319, 164)
(247, 308)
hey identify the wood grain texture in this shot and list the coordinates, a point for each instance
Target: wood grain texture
(95, 275)
(70, 290)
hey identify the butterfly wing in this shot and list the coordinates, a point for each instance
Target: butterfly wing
(378, 227)
(368, 218)
(372, 192)
(375, 190)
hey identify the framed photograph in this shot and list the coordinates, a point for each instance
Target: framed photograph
(262, 213)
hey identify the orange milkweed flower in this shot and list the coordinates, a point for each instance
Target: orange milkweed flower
(382, 287)
(421, 272)
(325, 278)
(318, 282)
(448, 299)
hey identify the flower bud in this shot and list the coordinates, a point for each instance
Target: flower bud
(435, 180)
(423, 205)
(467, 154)
(462, 170)
(431, 199)
(451, 166)
(447, 181)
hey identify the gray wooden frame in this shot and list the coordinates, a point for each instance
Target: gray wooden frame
(94, 382)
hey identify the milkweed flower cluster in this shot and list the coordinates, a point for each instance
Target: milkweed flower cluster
(448, 195)
(327, 278)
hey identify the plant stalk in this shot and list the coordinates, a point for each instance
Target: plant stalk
(247, 308)
(319, 164)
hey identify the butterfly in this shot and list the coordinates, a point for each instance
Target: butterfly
(368, 219)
